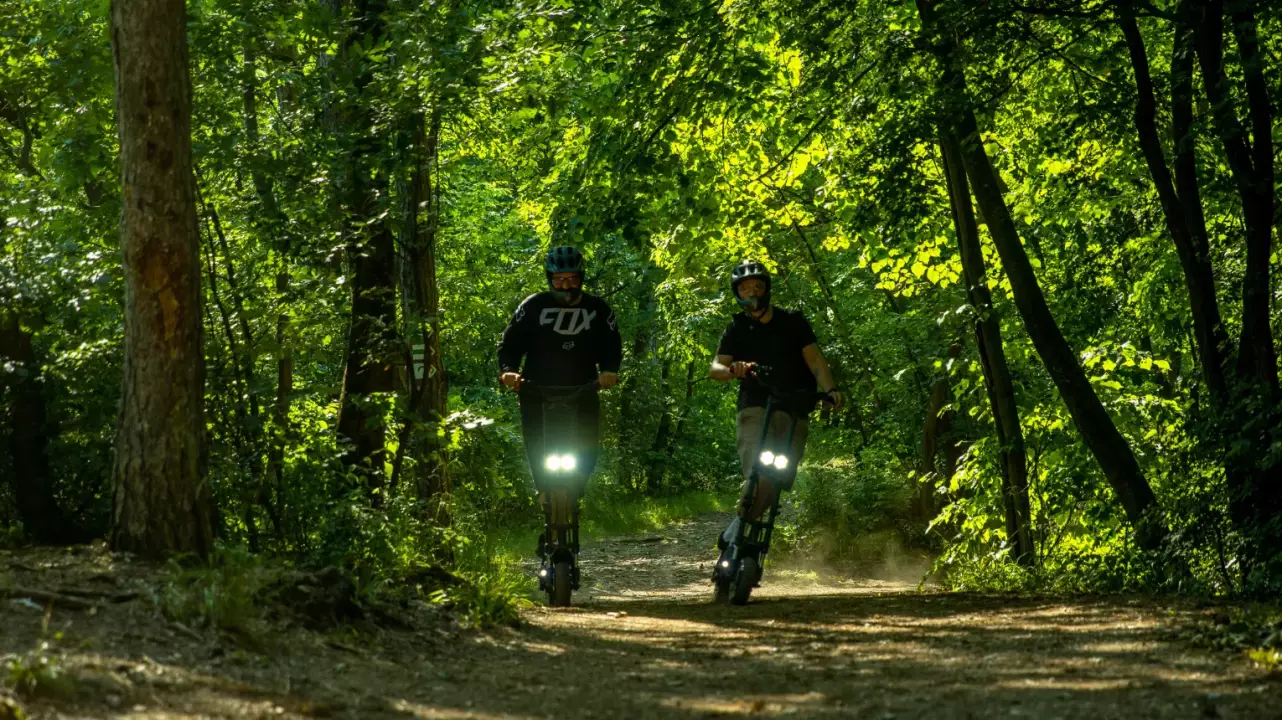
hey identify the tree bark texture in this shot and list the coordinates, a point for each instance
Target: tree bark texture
(372, 344)
(1093, 422)
(1255, 493)
(1182, 211)
(420, 298)
(162, 504)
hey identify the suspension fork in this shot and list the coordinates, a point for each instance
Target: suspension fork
(753, 530)
(561, 519)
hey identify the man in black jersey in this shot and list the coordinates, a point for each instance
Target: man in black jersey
(781, 339)
(566, 337)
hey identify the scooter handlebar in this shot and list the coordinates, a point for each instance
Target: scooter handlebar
(760, 373)
(559, 390)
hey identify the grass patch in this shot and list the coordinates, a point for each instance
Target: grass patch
(1255, 629)
(603, 516)
(217, 593)
(40, 672)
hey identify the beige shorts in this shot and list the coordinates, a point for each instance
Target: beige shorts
(747, 437)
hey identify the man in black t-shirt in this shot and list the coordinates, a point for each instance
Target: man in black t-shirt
(783, 340)
(566, 337)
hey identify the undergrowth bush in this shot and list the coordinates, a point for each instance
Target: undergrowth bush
(849, 511)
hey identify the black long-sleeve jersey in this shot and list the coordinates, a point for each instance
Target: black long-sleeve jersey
(561, 345)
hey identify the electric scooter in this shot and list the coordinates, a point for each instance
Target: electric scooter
(563, 484)
(742, 561)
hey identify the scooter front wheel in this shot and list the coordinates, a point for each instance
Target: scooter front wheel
(721, 592)
(744, 579)
(559, 593)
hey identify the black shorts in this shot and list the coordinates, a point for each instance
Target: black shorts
(552, 426)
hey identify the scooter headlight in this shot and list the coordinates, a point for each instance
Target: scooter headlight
(557, 463)
(767, 458)
(780, 462)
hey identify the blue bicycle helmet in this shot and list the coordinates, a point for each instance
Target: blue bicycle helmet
(564, 259)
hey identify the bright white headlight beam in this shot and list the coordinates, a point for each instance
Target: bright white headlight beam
(568, 462)
(780, 462)
(553, 462)
(767, 458)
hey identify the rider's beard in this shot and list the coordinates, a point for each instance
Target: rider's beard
(568, 296)
(753, 306)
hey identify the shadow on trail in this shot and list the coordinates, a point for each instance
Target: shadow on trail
(898, 655)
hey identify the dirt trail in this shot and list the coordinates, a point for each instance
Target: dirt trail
(645, 642)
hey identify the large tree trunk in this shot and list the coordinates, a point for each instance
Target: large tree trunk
(28, 433)
(420, 299)
(162, 504)
(1101, 435)
(992, 354)
(372, 346)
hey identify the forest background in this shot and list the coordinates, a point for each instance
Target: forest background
(1035, 240)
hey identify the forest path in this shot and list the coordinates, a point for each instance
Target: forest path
(645, 641)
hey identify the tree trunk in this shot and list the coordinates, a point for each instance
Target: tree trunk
(656, 459)
(372, 344)
(929, 447)
(284, 389)
(162, 504)
(1110, 449)
(239, 391)
(684, 415)
(992, 354)
(420, 299)
(1182, 211)
(1255, 494)
(28, 430)
(1251, 164)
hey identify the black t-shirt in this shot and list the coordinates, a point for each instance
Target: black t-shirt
(778, 344)
(562, 345)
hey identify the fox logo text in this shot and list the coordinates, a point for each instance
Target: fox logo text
(567, 321)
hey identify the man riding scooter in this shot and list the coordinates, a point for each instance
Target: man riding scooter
(766, 340)
(571, 347)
